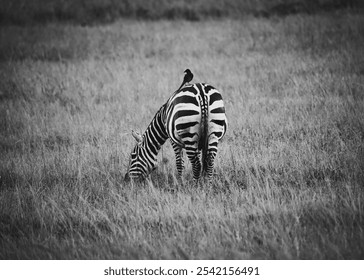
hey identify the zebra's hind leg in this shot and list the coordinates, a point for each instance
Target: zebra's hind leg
(179, 160)
(210, 160)
(194, 157)
(210, 166)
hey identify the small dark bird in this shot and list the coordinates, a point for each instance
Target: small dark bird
(188, 78)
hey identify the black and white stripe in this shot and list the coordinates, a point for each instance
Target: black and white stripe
(193, 119)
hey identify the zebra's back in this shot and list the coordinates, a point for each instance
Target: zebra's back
(196, 116)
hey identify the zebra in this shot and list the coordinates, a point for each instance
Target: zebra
(194, 119)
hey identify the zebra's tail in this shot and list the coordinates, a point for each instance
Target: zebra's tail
(204, 139)
(204, 148)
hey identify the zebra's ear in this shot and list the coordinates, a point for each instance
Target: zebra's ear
(137, 136)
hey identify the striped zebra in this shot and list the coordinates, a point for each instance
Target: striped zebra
(193, 119)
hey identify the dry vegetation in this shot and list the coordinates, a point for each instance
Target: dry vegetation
(289, 175)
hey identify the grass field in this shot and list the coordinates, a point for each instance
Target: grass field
(289, 180)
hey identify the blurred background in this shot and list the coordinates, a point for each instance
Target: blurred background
(103, 11)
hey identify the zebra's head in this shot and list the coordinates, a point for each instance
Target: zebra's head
(137, 168)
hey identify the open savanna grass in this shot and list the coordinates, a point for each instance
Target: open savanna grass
(289, 172)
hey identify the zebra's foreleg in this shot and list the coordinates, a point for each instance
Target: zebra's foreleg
(179, 160)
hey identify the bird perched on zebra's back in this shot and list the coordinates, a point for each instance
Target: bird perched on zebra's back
(186, 79)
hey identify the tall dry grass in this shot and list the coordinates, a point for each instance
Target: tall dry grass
(289, 173)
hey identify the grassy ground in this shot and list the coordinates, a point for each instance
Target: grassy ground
(289, 175)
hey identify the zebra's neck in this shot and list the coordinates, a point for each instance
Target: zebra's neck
(154, 137)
